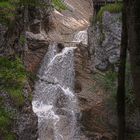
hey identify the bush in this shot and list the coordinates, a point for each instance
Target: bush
(8, 8)
(7, 11)
(10, 136)
(108, 81)
(5, 120)
(112, 8)
(17, 96)
(13, 78)
(59, 5)
(22, 40)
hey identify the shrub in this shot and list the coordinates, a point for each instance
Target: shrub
(13, 78)
(10, 136)
(8, 8)
(108, 81)
(17, 96)
(5, 120)
(22, 40)
(7, 11)
(59, 5)
(112, 8)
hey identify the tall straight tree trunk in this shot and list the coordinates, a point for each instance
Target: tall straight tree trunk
(121, 78)
(134, 44)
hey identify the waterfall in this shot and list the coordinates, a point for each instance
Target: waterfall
(81, 36)
(54, 100)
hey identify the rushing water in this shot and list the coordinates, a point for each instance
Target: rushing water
(81, 36)
(54, 101)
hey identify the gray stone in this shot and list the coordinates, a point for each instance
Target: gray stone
(104, 41)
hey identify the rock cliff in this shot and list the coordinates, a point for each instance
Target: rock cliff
(104, 41)
(25, 41)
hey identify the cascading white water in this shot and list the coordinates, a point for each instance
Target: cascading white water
(54, 101)
(81, 36)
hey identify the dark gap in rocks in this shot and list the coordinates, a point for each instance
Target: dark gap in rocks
(60, 47)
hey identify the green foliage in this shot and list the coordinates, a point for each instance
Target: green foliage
(59, 5)
(22, 40)
(17, 96)
(8, 7)
(134, 136)
(5, 120)
(108, 81)
(10, 136)
(6, 11)
(13, 78)
(112, 8)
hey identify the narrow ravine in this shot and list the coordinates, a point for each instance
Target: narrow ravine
(55, 102)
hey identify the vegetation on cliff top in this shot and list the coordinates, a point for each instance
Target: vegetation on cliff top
(8, 7)
(59, 5)
(112, 8)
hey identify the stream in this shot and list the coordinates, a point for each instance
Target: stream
(55, 102)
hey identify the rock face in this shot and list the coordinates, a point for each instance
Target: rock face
(104, 51)
(25, 125)
(36, 48)
(74, 18)
(31, 45)
(104, 41)
(36, 37)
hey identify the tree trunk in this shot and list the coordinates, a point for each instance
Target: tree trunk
(134, 44)
(121, 79)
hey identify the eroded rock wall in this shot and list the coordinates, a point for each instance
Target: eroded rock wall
(104, 41)
(30, 45)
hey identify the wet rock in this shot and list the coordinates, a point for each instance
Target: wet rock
(36, 49)
(60, 47)
(61, 101)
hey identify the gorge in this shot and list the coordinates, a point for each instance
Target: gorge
(55, 101)
(59, 64)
